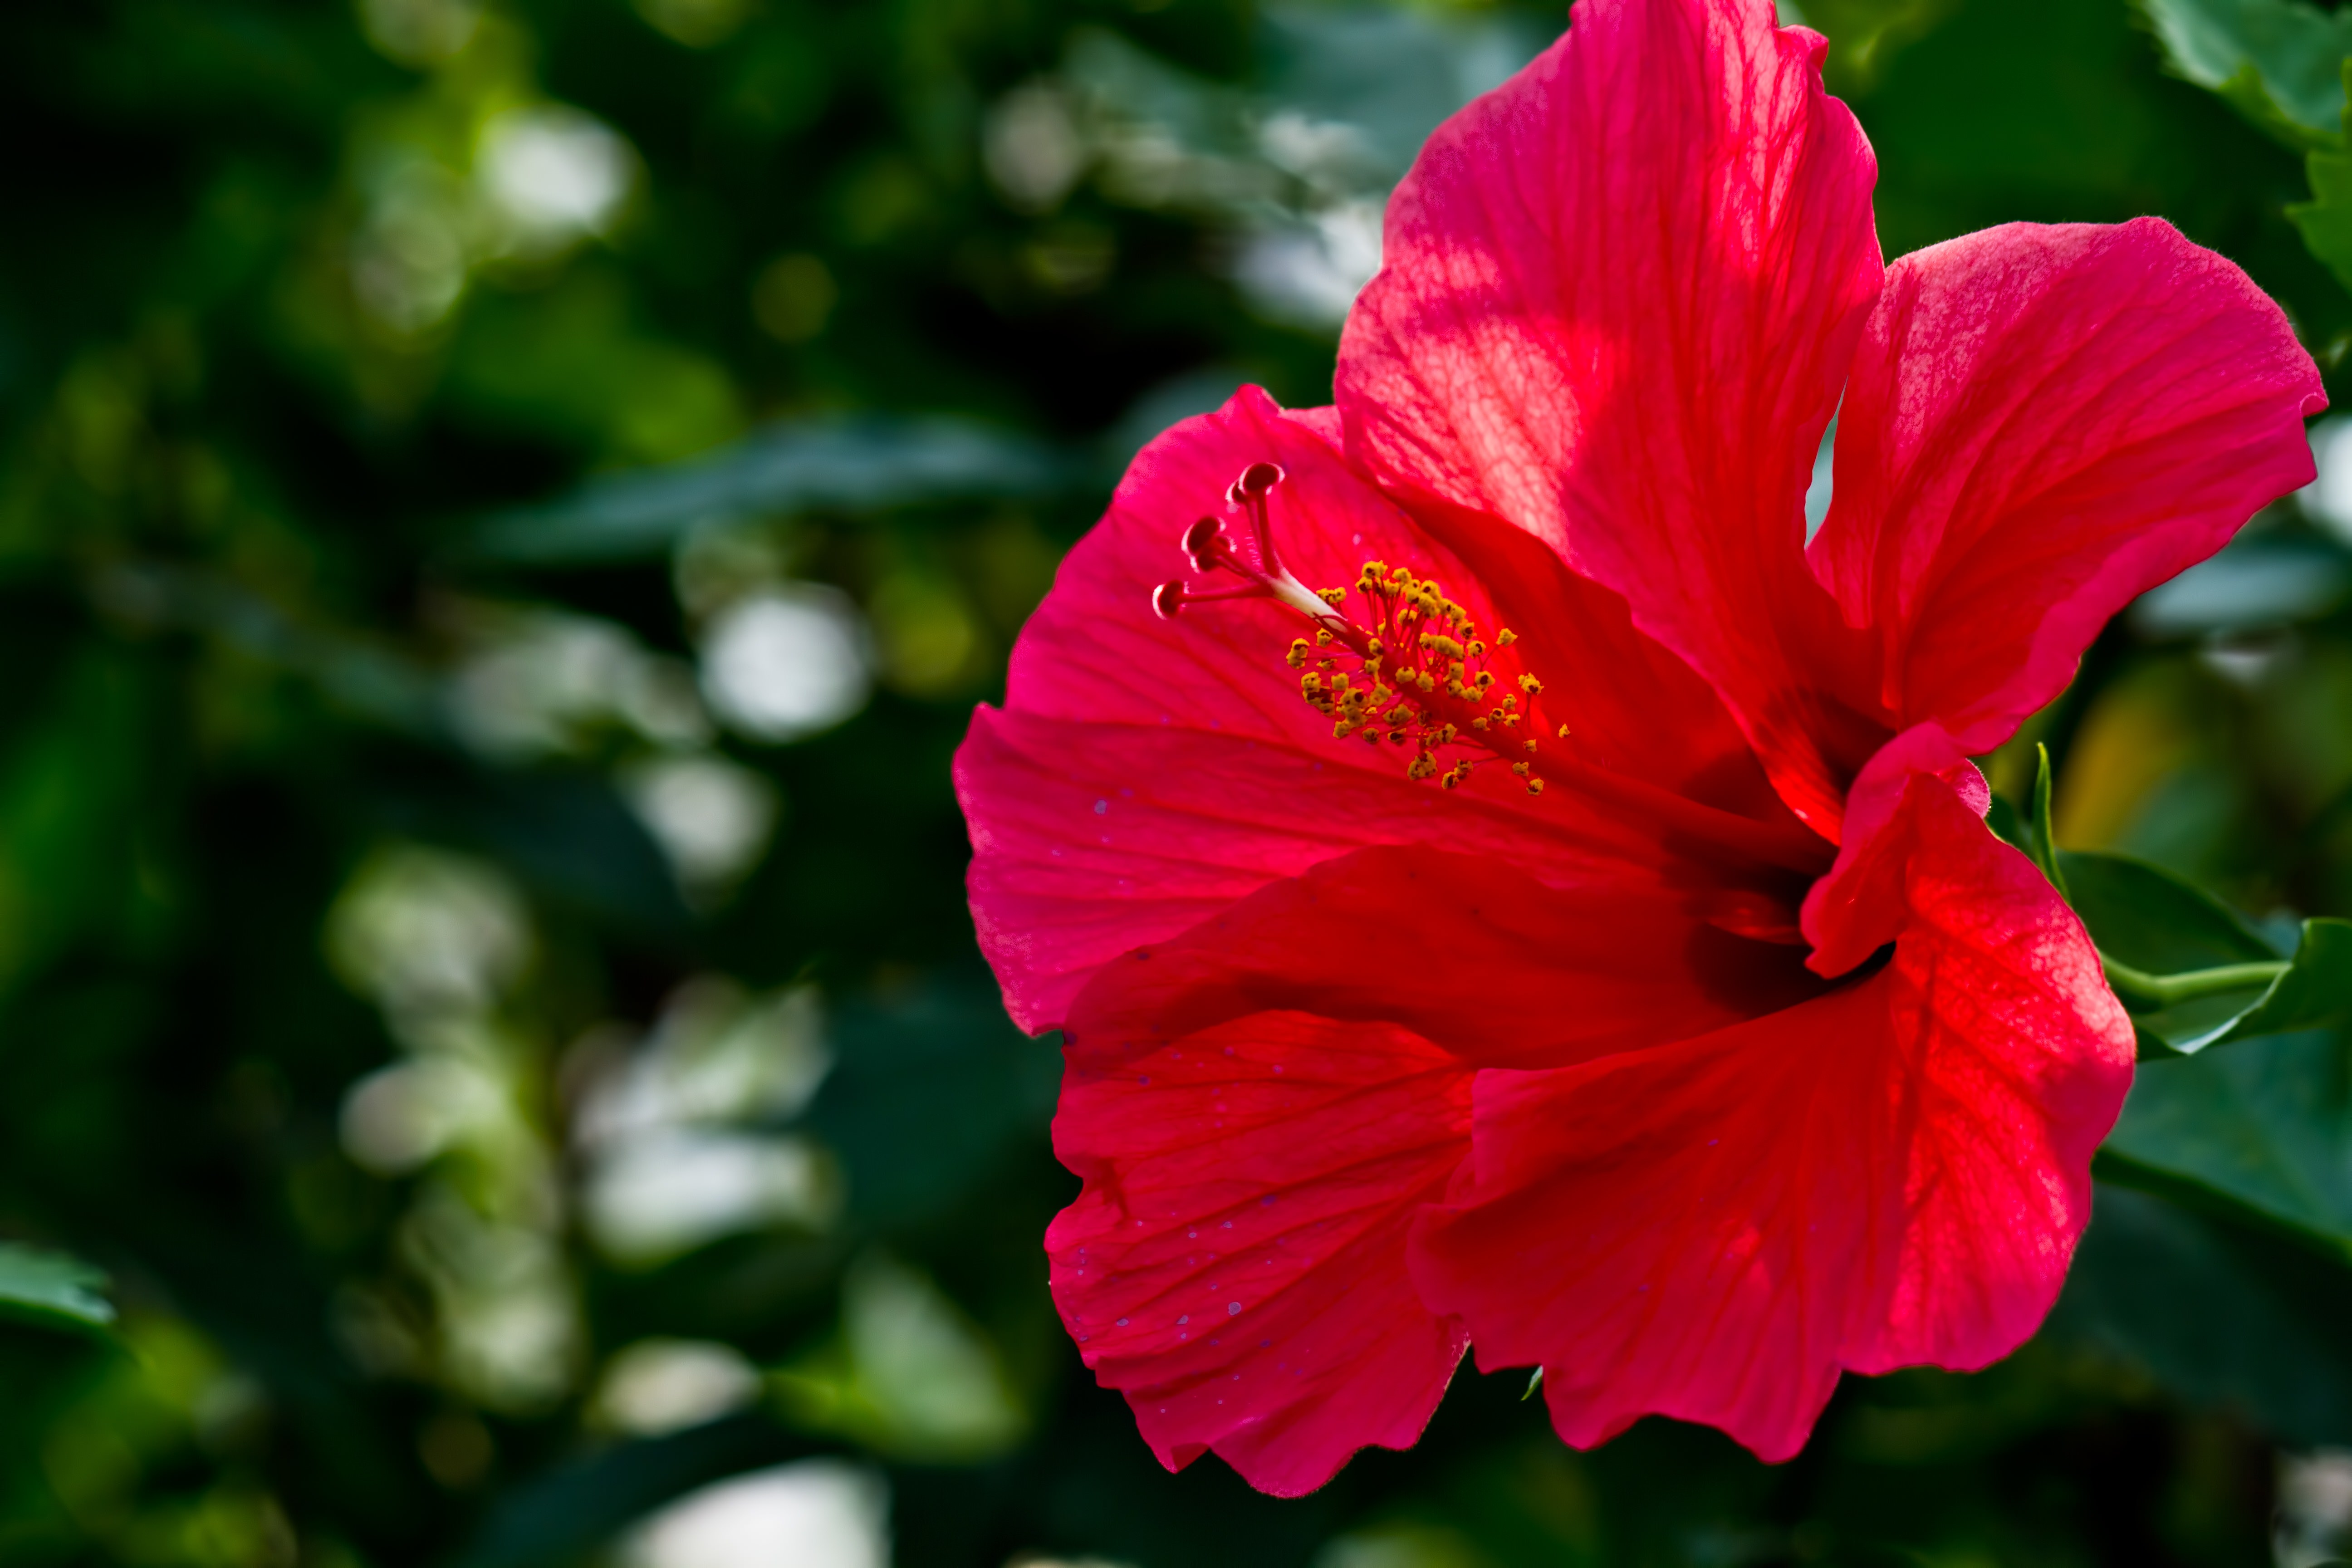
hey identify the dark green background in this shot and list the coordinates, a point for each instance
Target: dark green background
(294, 446)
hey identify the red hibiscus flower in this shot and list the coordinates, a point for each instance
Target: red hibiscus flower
(1500, 883)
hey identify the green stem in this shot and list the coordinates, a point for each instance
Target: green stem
(2138, 985)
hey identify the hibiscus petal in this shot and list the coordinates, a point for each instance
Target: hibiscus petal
(1092, 839)
(1619, 297)
(1894, 1173)
(1235, 1263)
(1146, 770)
(1468, 951)
(1862, 902)
(2041, 424)
(1260, 1106)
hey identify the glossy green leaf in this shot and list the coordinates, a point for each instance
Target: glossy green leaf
(2277, 61)
(2154, 922)
(52, 1288)
(2317, 989)
(2265, 1128)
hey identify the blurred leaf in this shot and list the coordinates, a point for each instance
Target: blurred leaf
(2219, 1313)
(852, 465)
(568, 1511)
(52, 1290)
(69, 780)
(2325, 220)
(2255, 584)
(1864, 34)
(928, 1091)
(2267, 1127)
(909, 1375)
(568, 831)
(1389, 73)
(568, 361)
(2277, 61)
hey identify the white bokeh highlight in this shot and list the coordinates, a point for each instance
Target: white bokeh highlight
(787, 661)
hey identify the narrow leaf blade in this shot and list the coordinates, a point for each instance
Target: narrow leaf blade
(52, 1290)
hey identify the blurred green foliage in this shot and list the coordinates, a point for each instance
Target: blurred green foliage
(506, 509)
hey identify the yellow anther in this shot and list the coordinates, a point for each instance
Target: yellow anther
(1534, 786)
(1391, 673)
(1531, 746)
(1563, 732)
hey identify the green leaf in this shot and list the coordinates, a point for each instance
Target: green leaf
(2222, 1314)
(2042, 843)
(2325, 220)
(52, 1290)
(861, 465)
(2277, 62)
(2315, 990)
(2153, 921)
(2266, 1131)
(570, 1509)
(929, 1089)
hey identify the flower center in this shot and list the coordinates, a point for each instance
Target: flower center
(1412, 670)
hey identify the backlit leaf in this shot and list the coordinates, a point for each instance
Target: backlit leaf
(2277, 61)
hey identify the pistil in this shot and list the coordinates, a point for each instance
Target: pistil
(1421, 678)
